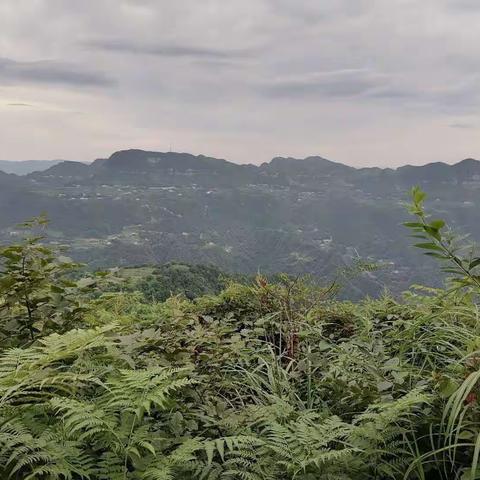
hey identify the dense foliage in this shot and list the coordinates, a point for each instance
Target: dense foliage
(177, 278)
(265, 380)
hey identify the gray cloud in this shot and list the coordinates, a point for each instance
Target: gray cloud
(314, 11)
(18, 104)
(342, 83)
(466, 5)
(50, 72)
(135, 48)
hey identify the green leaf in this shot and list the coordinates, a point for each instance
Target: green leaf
(423, 237)
(209, 449)
(474, 263)
(447, 388)
(220, 447)
(85, 282)
(429, 246)
(433, 232)
(392, 363)
(437, 255)
(437, 224)
(385, 385)
(418, 194)
(413, 224)
(454, 270)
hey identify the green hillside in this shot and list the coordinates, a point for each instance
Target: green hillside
(260, 379)
(310, 216)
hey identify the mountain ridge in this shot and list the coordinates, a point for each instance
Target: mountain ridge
(125, 158)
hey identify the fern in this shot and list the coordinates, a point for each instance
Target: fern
(102, 423)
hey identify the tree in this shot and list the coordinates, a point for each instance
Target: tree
(38, 294)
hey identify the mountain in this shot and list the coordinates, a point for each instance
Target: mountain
(153, 168)
(300, 216)
(26, 166)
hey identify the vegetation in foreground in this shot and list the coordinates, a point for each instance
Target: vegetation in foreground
(261, 381)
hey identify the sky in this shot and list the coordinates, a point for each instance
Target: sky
(363, 82)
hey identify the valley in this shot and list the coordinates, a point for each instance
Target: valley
(310, 216)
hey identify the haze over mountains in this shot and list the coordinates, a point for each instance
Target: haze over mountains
(299, 216)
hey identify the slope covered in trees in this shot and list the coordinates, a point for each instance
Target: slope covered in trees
(264, 380)
(307, 216)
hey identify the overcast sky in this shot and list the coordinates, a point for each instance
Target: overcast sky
(364, 82)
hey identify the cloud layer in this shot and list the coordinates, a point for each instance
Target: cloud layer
(49, 72)
(189, 51)
(365, 82)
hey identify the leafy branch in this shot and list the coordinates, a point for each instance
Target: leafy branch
(439, 242)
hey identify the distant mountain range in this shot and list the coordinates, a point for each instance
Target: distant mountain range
(300, 216)
(26, 166)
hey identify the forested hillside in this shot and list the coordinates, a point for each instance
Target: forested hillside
(310, 216)
(261, 380)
